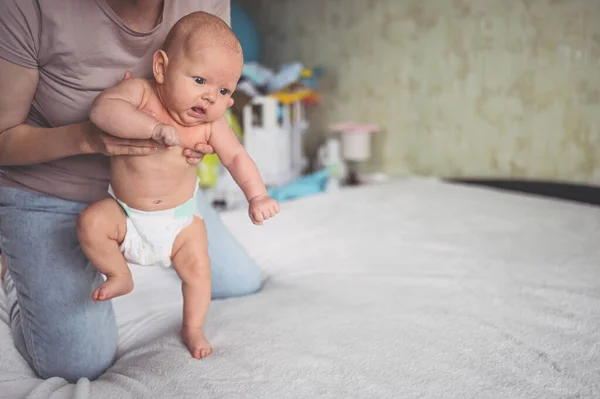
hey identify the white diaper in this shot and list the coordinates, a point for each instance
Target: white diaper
(150, 235)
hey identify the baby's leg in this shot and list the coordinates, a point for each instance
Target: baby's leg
(101, 228)
(190, 259)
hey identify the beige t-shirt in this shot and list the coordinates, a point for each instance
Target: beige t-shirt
(80, 48)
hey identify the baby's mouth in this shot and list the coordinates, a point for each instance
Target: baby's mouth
(199, 111)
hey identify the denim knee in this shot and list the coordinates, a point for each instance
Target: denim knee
(250, 283)
(87, 352)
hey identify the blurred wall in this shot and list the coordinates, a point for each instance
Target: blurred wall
(461, 87)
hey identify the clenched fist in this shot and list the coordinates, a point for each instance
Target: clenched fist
(166, 135)
(262, 208)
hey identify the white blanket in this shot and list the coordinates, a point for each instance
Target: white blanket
(404, 290)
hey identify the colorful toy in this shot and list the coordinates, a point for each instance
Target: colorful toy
(299, 87)
(310, 77)
(257, 74)
(286, 97)
(288, 74)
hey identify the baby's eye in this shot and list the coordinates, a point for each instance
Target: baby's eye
(224, 92)
(199, 81)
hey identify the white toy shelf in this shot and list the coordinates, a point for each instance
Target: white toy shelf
(273, 137)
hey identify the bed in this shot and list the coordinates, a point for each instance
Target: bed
(411, 289)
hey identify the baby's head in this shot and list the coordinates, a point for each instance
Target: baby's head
(198, 68)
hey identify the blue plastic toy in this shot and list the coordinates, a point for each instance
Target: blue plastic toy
(302, 187)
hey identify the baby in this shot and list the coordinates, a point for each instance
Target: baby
(152, 219)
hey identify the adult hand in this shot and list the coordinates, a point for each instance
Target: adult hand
(106, 144)
(110, 145)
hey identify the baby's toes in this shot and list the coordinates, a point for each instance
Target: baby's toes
(204, 352)
(101, 294)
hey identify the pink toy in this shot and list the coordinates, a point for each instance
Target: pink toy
(356, 144)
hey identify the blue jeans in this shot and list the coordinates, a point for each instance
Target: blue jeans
(56, 326)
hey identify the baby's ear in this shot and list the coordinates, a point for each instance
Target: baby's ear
(159, 66)
(230, 103)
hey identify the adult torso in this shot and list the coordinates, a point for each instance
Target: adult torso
(85, 47)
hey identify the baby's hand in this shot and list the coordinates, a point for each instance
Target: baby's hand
(262, 208)
(166, 135)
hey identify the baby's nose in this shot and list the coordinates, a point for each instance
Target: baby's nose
(209, 95)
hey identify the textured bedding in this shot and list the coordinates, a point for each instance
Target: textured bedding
(411, 289)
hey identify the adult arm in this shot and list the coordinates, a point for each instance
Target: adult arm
(22, 144)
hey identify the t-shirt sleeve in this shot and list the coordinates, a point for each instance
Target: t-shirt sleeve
(20, 32)
(222, 9)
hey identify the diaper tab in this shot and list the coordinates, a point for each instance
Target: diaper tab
(187, 209)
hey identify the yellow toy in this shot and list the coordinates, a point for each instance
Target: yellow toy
(288, 97)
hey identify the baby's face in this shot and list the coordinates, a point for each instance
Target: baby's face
(197, 88)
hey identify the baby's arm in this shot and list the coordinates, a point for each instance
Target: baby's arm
(243, 170)
(236, 160)
(117, 110)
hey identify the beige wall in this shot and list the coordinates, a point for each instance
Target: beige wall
(461, 87)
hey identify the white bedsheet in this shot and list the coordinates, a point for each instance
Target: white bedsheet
(404, 290)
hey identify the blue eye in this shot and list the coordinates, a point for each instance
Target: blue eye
(224, 92)
(199, 81)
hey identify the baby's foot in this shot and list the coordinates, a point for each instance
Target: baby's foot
(196, 342)
(114, 286)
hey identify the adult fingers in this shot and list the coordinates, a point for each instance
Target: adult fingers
(130, 150)
(204, 148)
(193, 161)
(137, 150)
(111, 141)
(192, 154)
